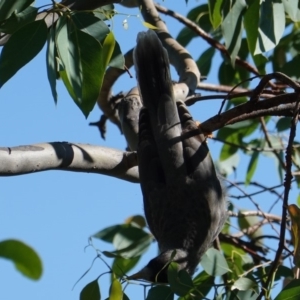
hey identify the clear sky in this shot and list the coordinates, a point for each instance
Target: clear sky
(56, 212)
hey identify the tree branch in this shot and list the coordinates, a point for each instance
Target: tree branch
(68, 157)
(282, 105)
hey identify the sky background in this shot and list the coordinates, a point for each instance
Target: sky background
(55, 212)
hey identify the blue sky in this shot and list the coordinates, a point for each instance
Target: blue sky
(55, 212)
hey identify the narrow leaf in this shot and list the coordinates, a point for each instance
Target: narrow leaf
(24, 257)
(107, 51)
(252, 167)
(21, 48)
(116, 292)
(232, 27)
(51, 62)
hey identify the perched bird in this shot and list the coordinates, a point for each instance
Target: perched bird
(183, 199)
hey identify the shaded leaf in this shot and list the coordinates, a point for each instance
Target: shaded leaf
(8, 7)
(248, 221)
(51, 62)
(131, 241)
(232, 27)
(251, 22)
(18, 20)
(252, 167)
(283, 124)
(21, 48)
(290, 292)
(160, 292)
(24, 257)
(91, 291)
(107, 234)
(82, 59)
(180, 282)
(121, 265)
(203, 283)
(214, 263)
(205, 60)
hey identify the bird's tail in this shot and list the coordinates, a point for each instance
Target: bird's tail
(156, 88)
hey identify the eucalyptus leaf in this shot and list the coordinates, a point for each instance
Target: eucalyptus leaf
(21, 48)
(23, 256)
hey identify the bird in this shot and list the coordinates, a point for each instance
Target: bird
(184, 201)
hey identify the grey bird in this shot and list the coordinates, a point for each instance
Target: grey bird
(183, 198)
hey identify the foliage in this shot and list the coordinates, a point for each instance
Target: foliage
(80, 47)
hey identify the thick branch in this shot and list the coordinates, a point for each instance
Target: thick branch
(282, 105)
(200, 32)
(68, 157)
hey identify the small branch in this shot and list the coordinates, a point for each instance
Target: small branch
(68, 157)
(287, 187)
(282, 105)
(242, 214)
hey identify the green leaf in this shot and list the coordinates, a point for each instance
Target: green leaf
(249, 221)
(24, 257)
(108, 48)
(283, 124)
(131, 241)
(271, 26)
(215, 12)
(229, 165)
(115, 292)
(290, 292)
(51, 62)
(69, 53)
(81, 57)
(160, 292)
(200, 16)
(251, 22)
(205, 59)
(117, 59)
(292, 8)
(232, 27)
(252, 167)
(244, 284)
(121, 265)
(91, 25)
(21, 48)
(105, 12)
(214, 263)
(203, 284)
(108, 233)
(180, 282)
(8, 7)
(91, 291)
(18, 20)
